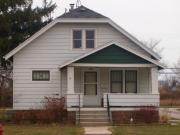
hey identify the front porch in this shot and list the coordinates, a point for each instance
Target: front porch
(111, 75)
(95, 87)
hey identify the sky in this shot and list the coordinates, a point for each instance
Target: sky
(157, 20)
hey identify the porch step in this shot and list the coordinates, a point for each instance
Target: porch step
(94, 112)
(93, 118)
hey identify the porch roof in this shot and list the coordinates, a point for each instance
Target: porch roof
(113, 53)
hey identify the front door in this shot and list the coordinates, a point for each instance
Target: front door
(91, 89)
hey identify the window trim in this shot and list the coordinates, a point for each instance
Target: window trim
(116, 81)
(41, 71)
(90, 39)
(131, 81)
(123, 69)
(72, 38)
(83, 47)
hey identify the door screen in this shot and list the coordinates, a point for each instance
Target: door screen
(90, 83)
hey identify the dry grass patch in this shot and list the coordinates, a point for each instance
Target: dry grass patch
(51, 129)
(147, 130)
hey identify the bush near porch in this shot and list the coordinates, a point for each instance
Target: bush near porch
(53, 111)
(142, 115)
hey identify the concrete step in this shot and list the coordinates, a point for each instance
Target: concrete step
(90, 116)
(94, 119)
(94, 124)
(94, 112)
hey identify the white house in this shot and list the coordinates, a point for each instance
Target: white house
(84, 56)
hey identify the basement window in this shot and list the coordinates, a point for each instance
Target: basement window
(40, 75)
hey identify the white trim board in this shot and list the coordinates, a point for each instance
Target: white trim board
(110, 65)
(79, 20)
(109, 44)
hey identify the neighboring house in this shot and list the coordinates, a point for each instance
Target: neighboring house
(83, 54)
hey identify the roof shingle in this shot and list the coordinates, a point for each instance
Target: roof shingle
(82, 12)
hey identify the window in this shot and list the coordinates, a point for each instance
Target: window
(116, 82)
(131, 81)
(40, 75)
(77, 39)
(90, 36)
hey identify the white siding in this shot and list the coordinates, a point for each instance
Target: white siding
(132, 100)
(46, 53)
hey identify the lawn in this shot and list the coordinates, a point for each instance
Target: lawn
(147, 130)
(53, 129)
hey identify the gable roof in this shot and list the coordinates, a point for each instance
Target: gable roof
(82, 12)
(82, 20)
(110, 44)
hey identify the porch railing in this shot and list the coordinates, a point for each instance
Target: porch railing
(131, 100)
(74, 100)
(79, 108)
(108, 108)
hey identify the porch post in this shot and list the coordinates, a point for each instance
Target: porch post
(70, 80)
(154, 80)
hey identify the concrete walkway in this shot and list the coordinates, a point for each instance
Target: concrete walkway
(97, 131)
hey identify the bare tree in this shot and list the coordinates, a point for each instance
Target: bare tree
(5, 85)
(153, 45)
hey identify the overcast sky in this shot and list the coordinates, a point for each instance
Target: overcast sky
(145, 19)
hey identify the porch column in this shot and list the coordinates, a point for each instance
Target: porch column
(154, 80)
(70, 80)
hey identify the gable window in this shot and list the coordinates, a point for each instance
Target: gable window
(131, 81)
(90, 37)
(77, 39)
(40, 75)
(116, 81)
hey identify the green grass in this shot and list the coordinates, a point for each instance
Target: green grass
(52, 129)
(146, 130)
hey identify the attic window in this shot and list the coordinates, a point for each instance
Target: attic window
(77, 39)
(90, 37)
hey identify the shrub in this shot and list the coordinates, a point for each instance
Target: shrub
(53, 111)
(147, 115)
(5, 115)
(142, 115)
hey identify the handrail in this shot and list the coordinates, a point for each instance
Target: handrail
(108, 107)
(79, 108)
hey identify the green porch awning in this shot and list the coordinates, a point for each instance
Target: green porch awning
(113, 55)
